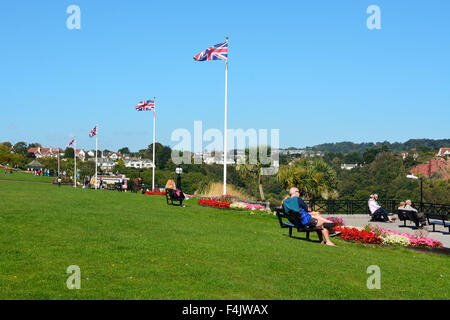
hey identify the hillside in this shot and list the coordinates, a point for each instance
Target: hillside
(347, 147)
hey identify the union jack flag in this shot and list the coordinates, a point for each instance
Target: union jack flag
(217, 52)
(71, 143)
(146, 105)
(93, 132)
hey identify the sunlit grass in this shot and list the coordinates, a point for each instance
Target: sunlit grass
(133, 246)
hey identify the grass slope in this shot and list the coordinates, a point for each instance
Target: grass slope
(24, 176)
(131, 246)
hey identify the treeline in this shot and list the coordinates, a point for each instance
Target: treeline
(425, 145)
(381, 171)
(386, 176)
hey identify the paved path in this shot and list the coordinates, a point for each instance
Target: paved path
(361, 220)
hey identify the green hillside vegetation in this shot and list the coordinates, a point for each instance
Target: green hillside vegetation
(348, 147)
(381, 171)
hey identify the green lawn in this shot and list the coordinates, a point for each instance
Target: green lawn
(132, 246)
(24, 176)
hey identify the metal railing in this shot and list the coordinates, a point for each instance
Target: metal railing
(361, 206)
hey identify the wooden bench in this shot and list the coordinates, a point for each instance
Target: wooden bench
(292, 222)
(441, 219)
(404, 215)
(172, 196)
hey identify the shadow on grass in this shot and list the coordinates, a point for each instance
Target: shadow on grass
(302, 239)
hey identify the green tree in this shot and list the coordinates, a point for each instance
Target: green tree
(21, 148)
(162, 155)
(69, 153)
(313, 177)
(124, 150)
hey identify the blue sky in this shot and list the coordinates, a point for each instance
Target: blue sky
(309, 68)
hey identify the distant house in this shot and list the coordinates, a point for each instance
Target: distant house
(45, 152)
(105, 164)
(443, 152)
(413, 153)
(138, 163)
(113, 155)
(80, 154)
(348, 166)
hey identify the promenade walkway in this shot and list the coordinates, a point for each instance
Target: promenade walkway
(361, 220)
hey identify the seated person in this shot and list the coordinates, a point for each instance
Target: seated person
(376, 209)
(402, 205)
(171, 186)
(419, 216)
(295, 203)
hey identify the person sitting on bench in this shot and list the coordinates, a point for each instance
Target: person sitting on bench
(376, 209)
(175, 193)
(418, 215)
(295, 203)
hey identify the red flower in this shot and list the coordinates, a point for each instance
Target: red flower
(214, 203)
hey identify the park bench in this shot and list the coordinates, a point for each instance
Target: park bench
(172, 196)
(441, 219)
(293, 222)
(404, 215)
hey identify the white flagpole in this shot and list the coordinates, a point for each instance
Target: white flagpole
(96, 148)
(154, 146)
(75, 162)
(225, 131)
(58, 162)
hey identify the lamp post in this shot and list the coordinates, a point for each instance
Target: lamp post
(179, 171)
(411, 176)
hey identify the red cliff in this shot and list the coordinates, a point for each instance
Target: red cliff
(438, 168)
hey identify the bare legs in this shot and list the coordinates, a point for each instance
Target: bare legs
(325, 232)
(316, 214)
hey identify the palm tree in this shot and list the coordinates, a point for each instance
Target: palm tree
(313, 177)
(252, 171)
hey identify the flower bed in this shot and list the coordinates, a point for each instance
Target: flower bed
(155, 193)
(406, 239)
(226, 202)
(354, 234)
(337, 220)
(247, 206)
(214, 203)
(375, 235)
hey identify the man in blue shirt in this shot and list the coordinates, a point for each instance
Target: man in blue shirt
(295, 203)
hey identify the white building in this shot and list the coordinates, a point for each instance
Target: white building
(443, 152)
(139, 163)
(345, 166)
(105, 164)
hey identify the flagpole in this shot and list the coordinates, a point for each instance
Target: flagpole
(154, 146)
(75, 163)
(225, 131)
(96, 148)
(58, 162)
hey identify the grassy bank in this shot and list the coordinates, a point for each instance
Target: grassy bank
(132, 246)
